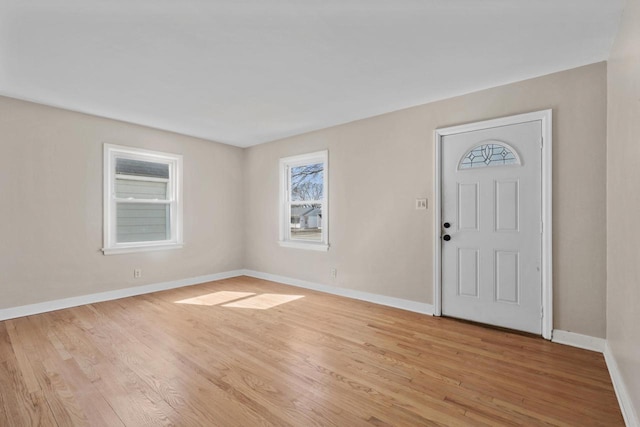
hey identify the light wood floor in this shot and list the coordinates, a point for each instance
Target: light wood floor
(214, 359)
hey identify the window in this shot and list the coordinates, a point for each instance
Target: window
(142, 200)
(489, 155)
(304, 216)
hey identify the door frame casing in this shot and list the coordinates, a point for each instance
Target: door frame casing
(545, 117)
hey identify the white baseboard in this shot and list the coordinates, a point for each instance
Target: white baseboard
(578, 340)
(629, 413)
(418, 307)
(43, 307)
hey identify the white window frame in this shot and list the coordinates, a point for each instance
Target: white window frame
(174, 199)
(286, 164)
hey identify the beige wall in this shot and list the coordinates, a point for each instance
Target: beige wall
(623, 201)
(51, 184)
(379, 166)
(51, 206)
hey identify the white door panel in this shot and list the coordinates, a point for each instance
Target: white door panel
(492, 203)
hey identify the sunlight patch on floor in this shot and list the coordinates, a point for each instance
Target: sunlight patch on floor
(215, 298)
(264, 301)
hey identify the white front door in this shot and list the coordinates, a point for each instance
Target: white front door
(492, 226)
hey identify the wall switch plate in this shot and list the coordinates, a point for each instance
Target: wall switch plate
(421, 204)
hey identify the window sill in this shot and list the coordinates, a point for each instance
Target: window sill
(322, 247)
(133, 249)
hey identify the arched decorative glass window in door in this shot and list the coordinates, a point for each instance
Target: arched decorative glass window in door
(489, 153)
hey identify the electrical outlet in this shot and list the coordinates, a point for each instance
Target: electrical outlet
(421, 204)
(137, 273)
(334, 273)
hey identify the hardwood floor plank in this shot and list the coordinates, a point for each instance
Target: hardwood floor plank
(97, 410)
(51, 399)
(148, 363)
(19, 406)
(249, 352)
(21, 355)
(524, 390)
(197, 372)
(122, 388)
(252, 334)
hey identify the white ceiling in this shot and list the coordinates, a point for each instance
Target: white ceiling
(245, 72)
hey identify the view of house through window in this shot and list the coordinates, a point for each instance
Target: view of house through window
(306, 201)
(305, 194)
(142, 200)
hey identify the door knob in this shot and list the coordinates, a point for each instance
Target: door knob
(446, 225)
(446, 237)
